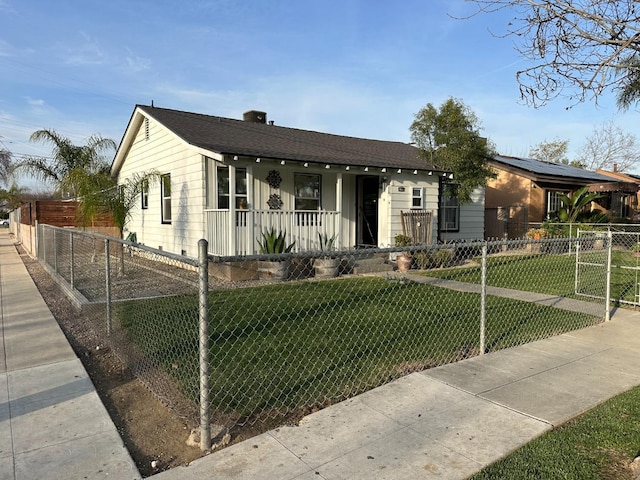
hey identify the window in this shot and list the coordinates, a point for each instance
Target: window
(554, 204)
(307, 191)
(417, 198)
(165, 196)
(223, 188)
(144, 194)
(449, 208)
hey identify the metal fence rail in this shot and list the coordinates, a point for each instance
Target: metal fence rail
(237, 340)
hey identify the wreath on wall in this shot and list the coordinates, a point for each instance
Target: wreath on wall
(275, 202)
(274, 179)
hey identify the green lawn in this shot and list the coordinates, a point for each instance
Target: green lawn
(555, 274)
(281, 347)
(598, 445)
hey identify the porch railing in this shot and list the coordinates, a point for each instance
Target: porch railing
(241, 237)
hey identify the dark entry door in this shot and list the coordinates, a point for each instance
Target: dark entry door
(367, 228)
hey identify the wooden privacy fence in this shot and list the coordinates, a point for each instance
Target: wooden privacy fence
(418, 224)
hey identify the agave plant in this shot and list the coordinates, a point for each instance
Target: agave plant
(274, 242)
(326, 242)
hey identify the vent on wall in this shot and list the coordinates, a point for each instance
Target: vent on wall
(146, 129)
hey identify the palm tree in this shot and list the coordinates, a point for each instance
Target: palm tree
(14, 196)
(573, 207)
(66, 159)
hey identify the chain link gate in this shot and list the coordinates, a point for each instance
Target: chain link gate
(615, 255)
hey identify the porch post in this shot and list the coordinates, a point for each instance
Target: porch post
(339, 209)
(232, 210)
(251, 208)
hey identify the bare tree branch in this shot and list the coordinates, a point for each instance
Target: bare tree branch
(576, 47)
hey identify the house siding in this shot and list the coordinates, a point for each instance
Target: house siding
(394, 200)
(471, 220)
(159, 152)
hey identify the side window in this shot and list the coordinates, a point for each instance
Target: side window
(144, 194)
(165, 196)
(417, 198)
(449, 208)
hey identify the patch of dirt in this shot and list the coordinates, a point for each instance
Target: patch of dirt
(150, 431)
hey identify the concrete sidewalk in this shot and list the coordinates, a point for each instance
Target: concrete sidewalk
(52, 422)
(447, 422)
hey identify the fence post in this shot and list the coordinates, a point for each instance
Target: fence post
(55, 251)
(72, 254)
(107, 276)
(203, 270)
(483, 300)
(607, 297)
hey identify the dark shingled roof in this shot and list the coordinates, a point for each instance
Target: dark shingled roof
(539, 168)
(238, 137)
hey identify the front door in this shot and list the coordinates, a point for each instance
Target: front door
(367, 227)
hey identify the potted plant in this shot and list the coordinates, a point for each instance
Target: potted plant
(404, 259)
(535, 234)
(328, 265)
(272, 243)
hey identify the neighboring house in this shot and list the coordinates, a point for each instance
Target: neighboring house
(227, 180)
(528, 191)
(631, 208)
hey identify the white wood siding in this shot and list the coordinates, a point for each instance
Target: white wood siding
(394, 200)
(163, 152)
(471, 220)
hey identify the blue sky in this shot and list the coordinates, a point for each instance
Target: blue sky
(350, 67)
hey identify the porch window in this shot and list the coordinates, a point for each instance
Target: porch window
(223, 188)
(307, 191)
(165, 196)
(449, 208)
(417, 198)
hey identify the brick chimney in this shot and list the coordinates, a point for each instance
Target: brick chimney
(255, 116)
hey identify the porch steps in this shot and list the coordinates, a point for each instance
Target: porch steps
(372, 264)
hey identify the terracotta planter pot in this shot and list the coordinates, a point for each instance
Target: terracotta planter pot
(404, 262)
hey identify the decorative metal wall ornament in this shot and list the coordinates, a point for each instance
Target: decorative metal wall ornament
(274, 179)
(275, 202)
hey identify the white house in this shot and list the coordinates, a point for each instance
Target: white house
(227, 180)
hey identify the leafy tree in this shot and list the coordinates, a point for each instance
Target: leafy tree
(609, 145)
(551, 152)
(578, 48)
(66, 159)
(554, 152)
(449, 137)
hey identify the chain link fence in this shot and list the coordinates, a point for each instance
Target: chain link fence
(266, 339)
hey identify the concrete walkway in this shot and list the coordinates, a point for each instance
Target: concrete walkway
(52, 422)
(447, 422)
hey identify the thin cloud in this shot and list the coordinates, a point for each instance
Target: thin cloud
(86, 52)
